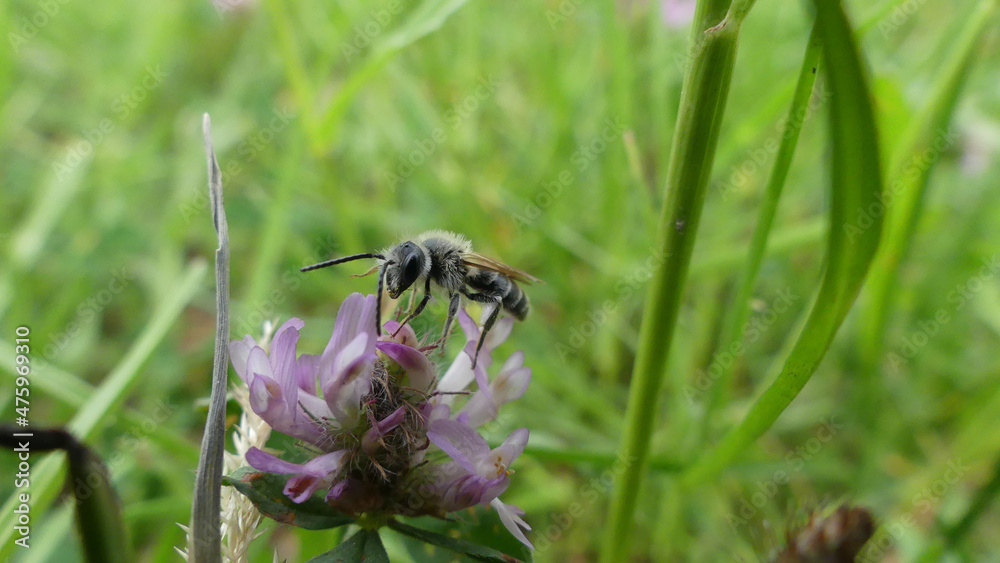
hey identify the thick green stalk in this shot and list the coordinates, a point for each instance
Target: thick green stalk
(738, 11)
(736, 315)
(703, 98)
(856, 184)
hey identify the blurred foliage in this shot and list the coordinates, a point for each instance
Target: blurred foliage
(541, 131)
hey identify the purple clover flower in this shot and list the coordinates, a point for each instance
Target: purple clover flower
(677, 13)
(377, 421)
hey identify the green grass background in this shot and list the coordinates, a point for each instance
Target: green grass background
(501, 107)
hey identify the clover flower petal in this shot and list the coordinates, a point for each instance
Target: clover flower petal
(508, 385)
(419, 370)
(510, 516)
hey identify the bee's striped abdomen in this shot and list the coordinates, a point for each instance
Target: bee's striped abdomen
(512, 297)
(515, 301)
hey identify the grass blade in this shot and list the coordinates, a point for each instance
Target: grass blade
(426, 19)
(736, 316)
(856, 184)
(908, 182)
(205, 518)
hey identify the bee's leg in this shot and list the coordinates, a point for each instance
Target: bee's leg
(371, 271)
(488, 299)
(453, 303)
(420, 307)
(412, 301)
(378, 300)
(486, 328)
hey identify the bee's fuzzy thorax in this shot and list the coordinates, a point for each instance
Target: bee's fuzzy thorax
(458, 240)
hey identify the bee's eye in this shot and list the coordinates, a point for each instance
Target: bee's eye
(411, 269)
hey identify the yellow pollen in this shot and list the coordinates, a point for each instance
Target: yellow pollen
(501, 468)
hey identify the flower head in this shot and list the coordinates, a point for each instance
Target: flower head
(378, 422)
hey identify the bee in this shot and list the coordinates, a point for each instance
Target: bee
(445, 260)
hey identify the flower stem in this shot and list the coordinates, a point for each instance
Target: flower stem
(703, 99)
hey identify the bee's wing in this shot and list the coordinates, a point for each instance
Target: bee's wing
(477, 260)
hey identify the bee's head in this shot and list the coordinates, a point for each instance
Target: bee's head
(406, 263)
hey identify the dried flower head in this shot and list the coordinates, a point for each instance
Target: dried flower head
(378, 423)
(835, 538)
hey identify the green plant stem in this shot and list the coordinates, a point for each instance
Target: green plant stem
(703, 98)
(736, 315)
(738, 11)
(855, 183)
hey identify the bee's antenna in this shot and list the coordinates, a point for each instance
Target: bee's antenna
(336, 261)
(378, 298)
